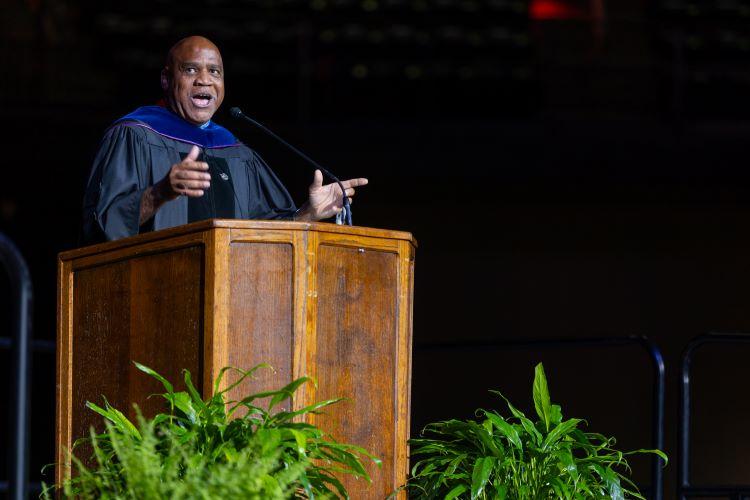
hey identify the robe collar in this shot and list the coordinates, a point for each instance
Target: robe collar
(164, 122)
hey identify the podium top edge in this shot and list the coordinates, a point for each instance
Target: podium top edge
(207, 225)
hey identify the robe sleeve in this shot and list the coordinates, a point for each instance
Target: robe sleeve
(268, 198)
(118, 179)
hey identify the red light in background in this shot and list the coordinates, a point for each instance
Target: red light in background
(546, 10)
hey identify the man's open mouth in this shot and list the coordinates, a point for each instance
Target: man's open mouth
(201, 100)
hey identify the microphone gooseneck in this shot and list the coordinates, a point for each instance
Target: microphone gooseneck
(237, 113)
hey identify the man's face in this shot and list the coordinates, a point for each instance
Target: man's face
(194, 80)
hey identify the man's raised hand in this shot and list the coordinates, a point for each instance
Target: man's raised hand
(326, 200)
(189, 177)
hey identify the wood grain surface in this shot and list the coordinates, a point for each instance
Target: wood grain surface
(146, 309)
(356, 353)
(261, 313)
(327, 301)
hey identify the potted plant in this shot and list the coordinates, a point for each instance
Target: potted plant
(205, 449)
(496, 457)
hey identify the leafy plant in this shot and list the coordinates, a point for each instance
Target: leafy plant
(515, 458)
(205, 449)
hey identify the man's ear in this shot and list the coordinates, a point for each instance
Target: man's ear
(164, 80)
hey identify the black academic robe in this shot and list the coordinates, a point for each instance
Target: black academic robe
(133, 157)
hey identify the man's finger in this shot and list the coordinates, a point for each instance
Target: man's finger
(350, 192)
(193, 165)
(193, 193)
(192, 174)
(317, 179)
(195, 184)
(354, 182)
(193, 154)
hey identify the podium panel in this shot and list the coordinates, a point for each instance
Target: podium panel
(356, 349)
(332, 302)
(260, 330)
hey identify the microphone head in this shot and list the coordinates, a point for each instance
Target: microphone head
(236, 112)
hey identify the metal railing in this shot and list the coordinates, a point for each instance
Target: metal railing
(21, 296)
(686, 490)
(657, 360)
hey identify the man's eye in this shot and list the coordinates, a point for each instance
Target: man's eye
(215, 72)
(190, 71)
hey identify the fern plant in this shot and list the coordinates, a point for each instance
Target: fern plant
(513, 457)
(204, 449)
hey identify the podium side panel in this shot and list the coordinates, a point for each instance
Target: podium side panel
(261, 313)
(146, 309)
(166, 325)
(406, 302)
(356, 352)
(99, 361)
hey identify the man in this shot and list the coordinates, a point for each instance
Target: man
(163, 166)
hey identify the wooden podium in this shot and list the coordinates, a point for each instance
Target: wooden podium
(332, 302)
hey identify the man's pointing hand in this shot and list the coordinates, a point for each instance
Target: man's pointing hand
(326, 200)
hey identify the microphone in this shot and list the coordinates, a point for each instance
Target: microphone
(346, 212)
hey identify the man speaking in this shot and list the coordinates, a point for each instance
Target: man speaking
(163, 166)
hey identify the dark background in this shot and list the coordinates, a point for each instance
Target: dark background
(570, 168)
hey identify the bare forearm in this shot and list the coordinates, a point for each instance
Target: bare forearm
(304, 214)
(151, 200)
